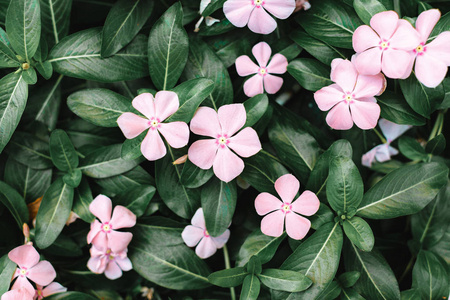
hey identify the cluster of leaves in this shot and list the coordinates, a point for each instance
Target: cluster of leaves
(377, 231)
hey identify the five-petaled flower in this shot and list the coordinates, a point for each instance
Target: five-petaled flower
(103, 234)
(216, 152)
(253, 13)
(155, 111)
(263, 80)
(287, 187)
(52, 288)
(351, 98)
(385, 46)
(110, 262)
(198, 234)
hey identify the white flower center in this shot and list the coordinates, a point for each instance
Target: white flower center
(348, 97)
(23, 272)
(206, 233)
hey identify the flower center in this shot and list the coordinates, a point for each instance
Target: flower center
(206, 233)
(106, 227)
(384, 45)
(39, 293)
(258, 3)
(111, 257)
(263, 71)
(154, 123)
(420, 49)
(222, 140)
(23, 272)
(286, 208)
(348, 97)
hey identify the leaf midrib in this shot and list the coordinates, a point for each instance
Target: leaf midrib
(321, 249)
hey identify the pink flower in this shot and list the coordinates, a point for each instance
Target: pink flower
(29, 267)
(155, 111)
(385, 46)
(263, 78)
(103, 234)
(221, 127)
(287, 186)
(253, 13)
(19, 294)
(110, 262)
(383, 152)
(197, 234)
(52, 288)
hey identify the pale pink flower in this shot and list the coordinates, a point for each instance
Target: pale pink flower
(263, 80)
(197, 234)
(216, 152)
(351, 98)
(432, 60)
(29, 267)
(110, 262)
(103, 234)
(19, 294)
(52, 288)
(287, 187)
(253, 13)
(302, 5)
(155, 111)
(385, 46)
(383, 152)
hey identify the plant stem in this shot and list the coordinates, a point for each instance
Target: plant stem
(383, 140)
(408, 268)
(437, 128)
(228, 266)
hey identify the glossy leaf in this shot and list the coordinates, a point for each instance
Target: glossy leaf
(228, 277)
(7, 268)
(71, 296)
(64, 246)
(442, 25)
(331, 291)
(366, 9)
(411, 148)
(260, 245)
(7, 56)
(310, 74)
(284, 280)
(430, 277)
(30, 151)
(193, 176)
(81, 201)
(133, 178)
(255, 108)
(359, 233)
(12, 200)
(437, 145)
(55, 16)
(395, 109)
(62, 151)
(136, 199)
(250, 288)
(348, 279)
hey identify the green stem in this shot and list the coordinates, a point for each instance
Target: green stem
(228, 266)
(408, 268)
(383, 140)
(437, 128)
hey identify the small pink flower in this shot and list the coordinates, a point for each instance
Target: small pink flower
(155, 111)
(253, 13)
(29, 267)
(103, 234)
(19, 294)
(222, 126)
(110, 262)
(385, 46)
(287, 187)
(197, 234)
(351, 98)
(383, 152)
(263, 78)
(52, 288)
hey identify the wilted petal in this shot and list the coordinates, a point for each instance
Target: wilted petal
(328, 96)
(122, 218)
(206, 122)
(132, 125)
(405, 37)
(395, 63)
(118, 241)
(273, 224)
(175, 133)
(265, 203)
(385, 23)
(232, 117)
(24, 256)
(113, 271)
(222, 239)
(297, 226)
(278, 64)
(365, 114)
(53, 288)
(152, 146)
(227, 165)
(262, 52)
(145, 105)
(238, 11)
(287, 187)
(254, 86)
(339, 117)
(206, 248)
(166, 104)
(192, 235)
(101, 207)
(307, 204)
(246, 143)
(261, 22)
(245, 66)
(202, 153)
(391, 130)
(272, 84)
(426, 22)
(364, 38)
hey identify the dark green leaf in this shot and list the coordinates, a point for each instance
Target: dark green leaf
(62, 152)
(366, 9)
(7, 56)
(255, 108)
(131, 148)
(136, 199)
(45, 69)
(441, 26)
(133, 178)
(212, 7)
(29, 76)
(194, 177)
(411, 294)
(331, 291)
(430, 277)
(73, 178)
(228, 277)
(395, 109)
(250, 288)
(55, 16)
(310, 74)
(411, 148)
(322, 216)
(30, 151)
(81, 201)
(284, 280)
(14, 203)
(360, 233)
(254, 265)
(437, 145)
(71, 296)
(7, 267)
(348, 279)
(64, 246)
(351, 294)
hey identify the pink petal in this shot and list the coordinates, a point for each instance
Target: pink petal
(409, 68)
(297, 226)
(261, 22)
(439, 48)
(278, 64)
(113, 271)
(246, 143)
(254, 86)
(227, 165)
(166, 104)
(328, 96)
(222, 239)
(405, 37)
(206, 122)
(206, 248)
(307, 204)
(426, 22)
(395, 63)
(24, 284)
(391, 130)
(238, 11)
(97, 265)
(43, 273)
(100, 241)
(368, 158)
(124, 263)
(53, 288)
(192, 235)
(272, 84)
(392, 151)
(345, 75)
(18, 294)
(335, 62)
(118, 241)
(198, 219)
(24, 256)
(96, 226)
(202, 153)
(175, 133)
(245, 66)
(101, 208)
(273, 224)
(383, 154)
(287, 187)
(262, 51)
(145, 105)
(281, 9)
(429, 70)
(265, 203)
(368, 86)
(365, 114)
(132, 125)
(152, 146)
(369, 61)
(385, 23)
(232, 117)
(339, 117)
(364, 38)
(122, 218)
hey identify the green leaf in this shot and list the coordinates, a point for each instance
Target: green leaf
(250, 288)
(322, 216)
(212, 7)
(30, 150)
(430, 277)
(228, 277)
(78, 55)
(310, 74)
(13, 98)
(348, 279)
(437, 145)
(53, 213)
(73, 178)
(411, 294)
(64, 246)
(7, 56)
(55, 16)
(168, 48)
(101, 107)
(81, 201)
(124, 21)
(218, 200)
(351, 294)
(284, 280)
(131, 148)
(254, 265)
(136, 199)
(404, 191)
(331, 291)
(23, 24)
(366, 9)
(133, 178)
(11, 199)
(360, 233)
(442, 25)
(345, 187)
(194, 177)
(71, 296)
(29, 76)
(411, 148)
(255, 108)
(230, 46)
(7, 267)
(45, 69)
(377, 280)
(62, 151)
(395, 109)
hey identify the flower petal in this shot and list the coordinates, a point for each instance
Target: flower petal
(206, 248)
(100, 241)
(391, 130)
(278, 64)
(262, 52)
(152, 146)
(113, 271)
(339, 117)
(206, 122)
(192, 235)
(345, 75)
(23, 283)
(297, 226)
(287, 187)
(245, 66)
(202, 153)
(254, 86)
(368, 85)
(392, 151)
(24, 256)
(118, 241)
(383, 154)
(246, 143)
(232, 117)
(43, 273)
(96, 226)
(426, 22)
(124, 263)
(175, 133)
(273, 224)
(101, 208)
(430, 71)
(97, 265)
(369, 61)
(238, 11)
(261, 22)
(18, 294)
(281, 9)
(198, 219)
(439, 48)
(365, 114)
(385, 23)
(395, 63)
(122, 218)
(145, 105)
(265, 203)
(405, 37)
(364, 38)
(307, 204)
(272, 84)
(222, 239)
(53, 288)
(166, 104)
(132, 125)
(368, 158)
(227, 165)
(328, 96)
